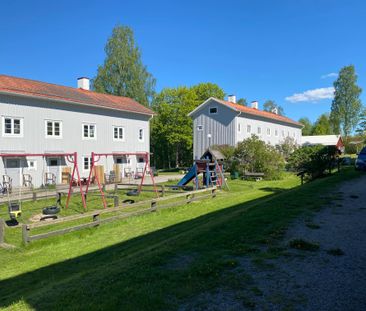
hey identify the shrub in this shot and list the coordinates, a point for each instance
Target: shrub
(287, 147)
(313, 160)
(254, 155)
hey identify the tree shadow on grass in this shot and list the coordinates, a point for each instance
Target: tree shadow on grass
(132, 275)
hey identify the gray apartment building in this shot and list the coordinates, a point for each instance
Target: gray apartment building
(44, 118)
(220, 122)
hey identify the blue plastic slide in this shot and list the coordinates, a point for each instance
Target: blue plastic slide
(188, 177)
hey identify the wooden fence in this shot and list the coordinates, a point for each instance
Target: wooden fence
(95, 220)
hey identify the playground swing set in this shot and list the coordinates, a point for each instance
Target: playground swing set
(15, 208)
(93, 174)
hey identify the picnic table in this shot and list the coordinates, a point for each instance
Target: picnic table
(257, 176)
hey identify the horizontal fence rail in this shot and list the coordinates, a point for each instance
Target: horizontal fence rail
(95, 220)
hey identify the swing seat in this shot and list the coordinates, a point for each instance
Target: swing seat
(128, 201)
(51, 210)
(14, 210)
(133, 193)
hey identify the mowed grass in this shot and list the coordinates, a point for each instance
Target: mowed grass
(159, 260)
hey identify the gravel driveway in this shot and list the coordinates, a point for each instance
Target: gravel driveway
(330, 278)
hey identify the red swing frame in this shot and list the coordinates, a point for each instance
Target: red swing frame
(96, 157)
(70, 157)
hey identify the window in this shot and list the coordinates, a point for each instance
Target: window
(283, 133)
(259, 130)
(276, 132)
(140, 160)
(213, 110)
(89, 131)
(199, 127)
(268, 131)
(118, 133)
(239, 127)
(141, 134)
(32, 165)
(12, 126)
(293, 134)
(53, 129)
(249, 128)
(87, 161)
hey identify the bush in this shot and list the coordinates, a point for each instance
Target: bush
(287, 147)
(313, 160)
(254, 155)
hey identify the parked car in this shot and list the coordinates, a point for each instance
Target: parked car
(360, 163)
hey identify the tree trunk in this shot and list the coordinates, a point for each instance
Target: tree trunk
(177, 156)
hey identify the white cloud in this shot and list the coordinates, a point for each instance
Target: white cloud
(330, 75)
(312, 95)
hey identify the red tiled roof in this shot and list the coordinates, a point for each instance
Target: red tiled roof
(39, 89)
(261, 113)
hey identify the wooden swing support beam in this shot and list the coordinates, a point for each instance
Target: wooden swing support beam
(96, 157)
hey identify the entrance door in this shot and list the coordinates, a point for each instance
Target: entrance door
(54, 167)
(13, 170)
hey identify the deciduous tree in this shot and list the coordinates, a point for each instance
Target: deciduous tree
(346, 105)
(270, 105)
(308, 126)
(123, 72)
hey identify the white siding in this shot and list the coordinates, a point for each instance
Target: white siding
(272, 138)
(34, 113)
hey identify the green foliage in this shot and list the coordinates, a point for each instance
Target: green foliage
(361, 129)
(287, 147)
(242, 101)
(322, 126)
(171, 129)
(123, 72)
(230, 164)
(346, 106)
(308, 126)
(254, 155)
(313, 160)
(270, 105)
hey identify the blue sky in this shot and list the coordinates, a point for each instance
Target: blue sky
(254, 49)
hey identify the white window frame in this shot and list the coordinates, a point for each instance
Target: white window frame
(53, 129)
(123, 133)
(199, 128)
(268, 131)
(259, 130)
(143, 135)
(239, 127)
(276, 132)
(89, 125)
(213, 107)
(12, 134)
(89, 163)
(283, 133)
(34, 168)
(249, 127)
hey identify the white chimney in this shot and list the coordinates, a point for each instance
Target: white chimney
(254, 104)
(232, 99)
(84, 83)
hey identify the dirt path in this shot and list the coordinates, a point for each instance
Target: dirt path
(332, 277)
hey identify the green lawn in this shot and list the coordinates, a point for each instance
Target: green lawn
(158, 260)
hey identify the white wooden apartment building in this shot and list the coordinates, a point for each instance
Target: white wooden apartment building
(220, 122)
(38, 117)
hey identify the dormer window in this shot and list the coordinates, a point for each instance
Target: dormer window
(213, 110)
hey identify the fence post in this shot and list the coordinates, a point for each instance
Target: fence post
(153, 205)
(96, 218)
(188, 198)
(116, 201)
(213, 192)
(162, 190)
(25, 234)
(115, 187)
(2, 231)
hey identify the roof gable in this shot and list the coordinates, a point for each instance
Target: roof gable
(31, 88)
